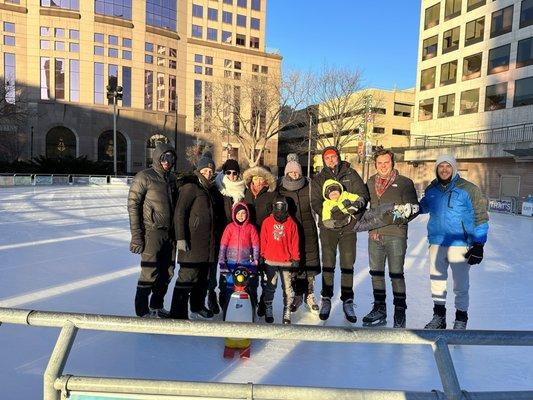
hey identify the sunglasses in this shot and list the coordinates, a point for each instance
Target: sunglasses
(234, 173)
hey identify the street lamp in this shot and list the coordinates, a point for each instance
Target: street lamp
(114, 93)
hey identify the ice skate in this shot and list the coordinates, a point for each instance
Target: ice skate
(310, 302)
(296, 303)
(349, 313)
(377, 316)
(325, 308)
(399, 317)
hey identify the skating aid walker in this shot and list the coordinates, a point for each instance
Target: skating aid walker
(239, 309)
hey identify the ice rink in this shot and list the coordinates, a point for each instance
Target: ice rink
(66, 249)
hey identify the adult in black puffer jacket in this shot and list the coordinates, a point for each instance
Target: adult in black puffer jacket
(296, 189)
(151, 201)
(199, 221)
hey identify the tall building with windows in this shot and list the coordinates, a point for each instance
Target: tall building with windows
(474, 94)
(58, 56)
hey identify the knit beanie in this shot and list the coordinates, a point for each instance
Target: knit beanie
(206, 161)
(293, 166)
(231, 165)
(335, 187)
(450, 160)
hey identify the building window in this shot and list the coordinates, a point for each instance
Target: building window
(148, 46)
(126, 86)
(209, 71)
(161, 50)
(74, 34)
(525, 53)
(431, 18)
(74, 80)
(98, 83)
(241, 3)
(9, 27)
(502, 22)
(113, 8)
(197, 11)
(198, 58)
(425, 110)
(473, 4)
(172, 52)
(469, 102)
(402, 109)
(161, 91)
(427, 78)
(112, 73)
(227, 17)
(197, 31)
(209, 60)
(171, 93)
(472, 67)
(45, 31)
(240, 40)
(212, 34)
(226, 37)
(197, 105)
(452, 9)
(498, 59)
(526, 13)
(98, 51)
(60, 142)
(172, 64)
(254, 42)
(448, 73)
(523, 92)
(74, 47)
(112, 40)
(256, 5)
(230, 2)
(474, 31)
(429, 47)
(126, 54)
(148, 90)
(9, 40)
(161, 13)
(198, 69)
(113, 53)
(401, 132)
(161, 61)
(126, 42)
(148, 59)
(59, 46)
(212, 14)
(45, 78)
(446, 106)
(44, 45)
(255, 23)
(496, 97)
(450, 40)
(241, 20)
(65, 4)
(378, 130)
(99, 38)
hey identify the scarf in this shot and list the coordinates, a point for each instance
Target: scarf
(382, 184)
(203, 182)
(292, 185)
(228, 188)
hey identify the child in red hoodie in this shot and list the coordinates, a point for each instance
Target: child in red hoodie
(239, 246)
(279, 249)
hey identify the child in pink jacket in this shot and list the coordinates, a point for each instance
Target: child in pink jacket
(239, 246)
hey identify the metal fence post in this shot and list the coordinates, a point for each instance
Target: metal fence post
(448, 377)
(57, 361)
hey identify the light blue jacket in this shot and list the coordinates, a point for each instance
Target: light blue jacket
(457, 213)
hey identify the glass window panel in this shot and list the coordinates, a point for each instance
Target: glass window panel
(99, 37)
(172, 52)
(59, 32)
(502, 22)
(227, 17)
(112, 72)
(498, 59)
(472, 67)
(148, 46)
(113, 53)
(425, 110)
(209, 60)
(197, 11)
(98, 83)
(212, 34)
(126, 86)
(255, 23)
(475, 31)
(172, 64)
(446, 106)
(45, 31)
(427, 78)
(526, 13)
(9, 40)
(59, 78)
(161, 91)
(161, 61)
(60, 46)
(45, 78)
(113, 8)
(197, 31)
(472, 4)
(241, 3)
(10, 77)
(469, 102)
(74, 47)
(126, 42)
(126, 54)
(448, 73)
(230, 2)
(241, 20)
(256, 5)
(113, 40)
(523, 95)
(148, 90)
(148, 59)
(452, 9)
(198, 58)
(431, 18)
(450, 40)
(240, 40)
(429, 47)
(44, 45)
(9, 27)
(74, 34)
(226, 37)
(172, 93)
(212, 14)
(496, 96)
(198, 69)
(74, 80)
(98, 51)
(525, 53)
(209, 71)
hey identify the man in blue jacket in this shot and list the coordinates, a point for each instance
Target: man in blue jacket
(457, 230)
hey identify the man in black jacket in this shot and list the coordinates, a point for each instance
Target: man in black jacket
(344, 238)
(390, 242)
(151, 201)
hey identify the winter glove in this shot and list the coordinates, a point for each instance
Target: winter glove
(137, 246)
(353, 207)
(336, 213)
(182, 245)
(474, 255)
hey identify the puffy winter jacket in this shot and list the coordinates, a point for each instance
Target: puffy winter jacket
(152, 197)
(457, 213)
(279, 241)
(328, 205)
(240, 242)
(260, 205)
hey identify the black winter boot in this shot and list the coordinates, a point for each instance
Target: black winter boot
(212, 302)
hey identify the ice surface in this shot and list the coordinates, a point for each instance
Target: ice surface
(66, 249)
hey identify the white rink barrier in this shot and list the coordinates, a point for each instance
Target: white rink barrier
(62, 180)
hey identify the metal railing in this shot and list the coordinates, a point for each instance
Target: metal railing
(57, 385)
(507, 134)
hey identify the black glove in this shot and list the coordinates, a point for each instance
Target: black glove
(337, 214)
(474, 255)
(137, 246)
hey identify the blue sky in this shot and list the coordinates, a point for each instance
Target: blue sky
(380, 37)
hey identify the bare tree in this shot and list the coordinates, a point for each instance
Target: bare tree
(14, 113)
(253, 110)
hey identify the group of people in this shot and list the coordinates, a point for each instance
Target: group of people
(216, 222)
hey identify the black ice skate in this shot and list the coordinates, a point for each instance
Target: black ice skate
(325, 308)
(296, 303)
(438, 322)
(376, 317)
(349, 313)
(269, 312)
(286, 315)
(399, 317)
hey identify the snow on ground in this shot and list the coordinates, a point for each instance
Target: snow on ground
(66, 249)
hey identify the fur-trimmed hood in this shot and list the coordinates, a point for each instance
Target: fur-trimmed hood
(260, 171)
(228, 188)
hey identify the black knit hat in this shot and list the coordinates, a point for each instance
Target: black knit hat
(206, 161)
(231, 165)
(335, 187)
